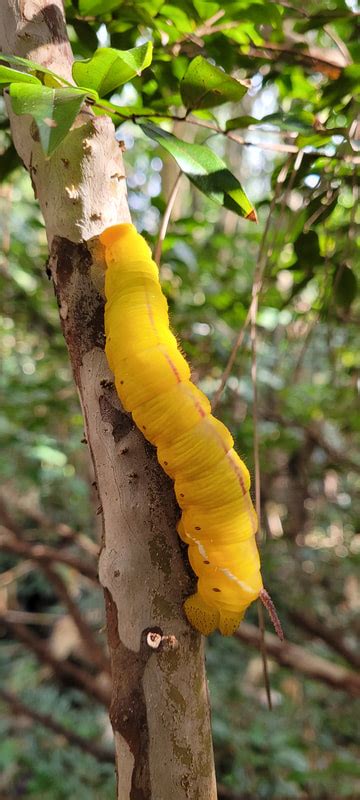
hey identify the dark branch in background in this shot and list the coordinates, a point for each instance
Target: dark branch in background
(276, 147)
(43, 554)
(19, 708)
(313, 57)
(224, 793)
(256, 289)
(62, 669)
(299, 659)
(333, 638)
(94, 650)
(329, 62)
(166, 218)
(315, 433)
(286, 654)
(12, 541)
(31, 617)
(63, 531)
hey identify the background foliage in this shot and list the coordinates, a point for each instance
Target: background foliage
(288, 133)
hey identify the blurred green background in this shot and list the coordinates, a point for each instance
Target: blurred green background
(302, 176)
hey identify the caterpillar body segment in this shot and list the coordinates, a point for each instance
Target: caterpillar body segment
(212, 483)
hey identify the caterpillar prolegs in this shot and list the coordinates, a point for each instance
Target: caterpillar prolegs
(152, 378)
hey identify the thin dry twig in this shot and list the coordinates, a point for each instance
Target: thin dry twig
(333, 638)
(44, 554)
(275, 147)
(256, 289)
(20, 708)
(63, 669)
(64, 531)
(31, 617)
(257, 284)
(166, 218)
(300, 660)
(294, 163)
(227, 371)
(15, 573)
(94, 651)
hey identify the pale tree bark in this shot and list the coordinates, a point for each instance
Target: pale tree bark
(159, 709)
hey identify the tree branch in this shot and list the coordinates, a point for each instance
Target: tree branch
(94, 650)
(299, 659)
(44, 554)
(333, 638)
(62, 669)
(82, 191)
(18, 707)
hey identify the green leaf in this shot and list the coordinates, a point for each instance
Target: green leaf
(307, 250)
(205, 9)
(9, 161)
(205, 170)
(54, 110)
(241, 122)
(109, 68)
(300, 121)
(86, 35)
(205, 86)
(345, 286)
(297, 121)
(8, 75)
(50, 78)
(88, 7)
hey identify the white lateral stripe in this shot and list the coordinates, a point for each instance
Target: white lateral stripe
(203, 553)
(232, 577)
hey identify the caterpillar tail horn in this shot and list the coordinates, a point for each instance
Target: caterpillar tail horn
(270, 607)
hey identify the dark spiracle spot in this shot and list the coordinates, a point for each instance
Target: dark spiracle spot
(216, 590)
(144, 427)
(121, 383)
(181, 494)
(197, 528)
(207, 562)
(166, 463)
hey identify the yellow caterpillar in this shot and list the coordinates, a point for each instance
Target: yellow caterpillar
(212, 483)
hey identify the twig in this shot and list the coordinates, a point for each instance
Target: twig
(339, 43)
(44, 554)
(305, 344)
(299, 659)
(224, 793)
(315, 433)
(257, 284)
(253, 338)
(63, 669)
(332, 637)
(95, 653)
(19, 707)
(296, 163)
(313, 57)
(41, 555)
(276, 147)
(61, 529)
(166, 218)
(30, 617)
(263, 652)
(256, 289)
(207, 27)
(237, 344)
(14, 573)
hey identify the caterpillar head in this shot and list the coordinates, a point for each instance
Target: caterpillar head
(123, 244)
